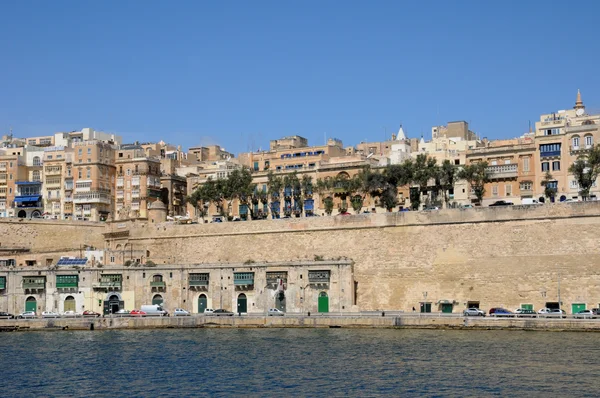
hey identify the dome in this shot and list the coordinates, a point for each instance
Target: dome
(158, 205)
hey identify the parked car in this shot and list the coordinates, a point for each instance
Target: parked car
(467, 206)
(27, 315)
(525, 313)
(91, 314)
(208, 311)
(276, 312)
(544, 311)
(222, 312)
(50, 314)
(122, 313)
(70, 314)
(6, 315)
(501, 203)
(559, 313)
(585, 314)
(596, 311)
(473, 312)
(430, 208)
(500, 312)
(137, 313)
(180, 312)
(530, 201)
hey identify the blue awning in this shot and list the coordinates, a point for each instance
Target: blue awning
(28, 183)
(21, 199)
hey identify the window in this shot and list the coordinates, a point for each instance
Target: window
(526, 163)
(36, 161)
(495, 190)
(456, 161)
(545, 166)
(80, 151)
(555, 166)
(508, 189)
(575, 142)
(526, 186)
(79, 173)
(551, 149)
(507, 161)
(589, 140)
(36, 175)
(573, 184)
(89, 173)
(89, 151)
(551, 131)
(494, 163)
(128, 172)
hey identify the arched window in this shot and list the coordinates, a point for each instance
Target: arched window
(575, 142)
(36, 175)
(37, 161)
(157, 299)
(589, 141)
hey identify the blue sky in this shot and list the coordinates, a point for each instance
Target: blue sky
(241, 73)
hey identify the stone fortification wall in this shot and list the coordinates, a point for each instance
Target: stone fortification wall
(48, 236)
(494, 256)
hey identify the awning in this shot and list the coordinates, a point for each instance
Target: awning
(308, 204)
(34, 198)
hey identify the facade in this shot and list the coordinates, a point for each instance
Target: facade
(137, 183)
(317, 287)
(93, 180)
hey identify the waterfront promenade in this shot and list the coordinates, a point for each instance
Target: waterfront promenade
(387, 320)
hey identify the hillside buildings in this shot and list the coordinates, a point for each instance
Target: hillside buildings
(92, 175)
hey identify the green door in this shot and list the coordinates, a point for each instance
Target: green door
(31, 304)
(575, 308)
(447, 308)
(70, 304)
(426, 307)
(242, 304)
(157, 299)
(323, 302)
(201, 304)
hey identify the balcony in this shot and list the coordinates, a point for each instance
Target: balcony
(135, 205)
(49, 171)
(503, 171)
(243, 280)
(198, 281)
(549, 154)
(107, 285)
(135, 182)
(319, 278)
(92, 197)
(34, 283)
(68, 200)
(68, 187)
(135, 194)
(120, 182)
(526, 192)
(2, 283)
(158, 284)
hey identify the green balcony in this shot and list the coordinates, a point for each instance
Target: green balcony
(112, 285)
(2, 283)
(158, 284)
(243, 278)
(198, 283)
(34, 283)
(67, 281)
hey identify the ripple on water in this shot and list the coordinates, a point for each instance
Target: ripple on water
(300, 362)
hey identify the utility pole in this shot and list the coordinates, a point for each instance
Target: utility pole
(559, 305)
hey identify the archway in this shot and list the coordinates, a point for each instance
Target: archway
(280, 300)
(542, 199)
(157, 299)
(113, 304)
(563, 198)
(242, 303)
(22, 214)
(69, 304)
(202, 303)
(323, 302)
(36, 214)
(31, 304)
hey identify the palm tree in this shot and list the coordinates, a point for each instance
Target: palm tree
(324, 187)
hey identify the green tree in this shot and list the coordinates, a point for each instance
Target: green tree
(238, 185)
(306, 187)
(477, 175)
(424, 170)
(324, 187)
(275, 185)
(586, 170)
(447, 176)
(549, 190)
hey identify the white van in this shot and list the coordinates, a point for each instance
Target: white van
(529, 201)
(154, 310)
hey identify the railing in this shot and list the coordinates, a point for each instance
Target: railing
(503, 171)
(198, 282)
(158, 284)
(549, 154)
(67, 285)
(107, 285)
(241, 282)
(34, 285)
